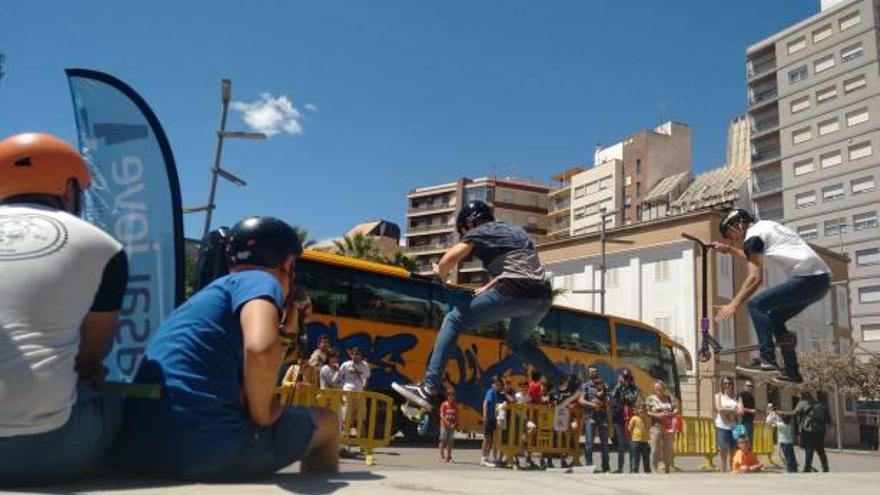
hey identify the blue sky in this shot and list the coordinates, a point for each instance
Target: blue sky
(389, 94)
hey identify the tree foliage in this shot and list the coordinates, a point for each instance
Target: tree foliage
(364, 247)
(854, 378)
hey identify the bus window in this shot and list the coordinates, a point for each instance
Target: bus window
(328, 287)
(670, 374)
(640, 347)
(547, 332)
(391, 300)
(584, 333)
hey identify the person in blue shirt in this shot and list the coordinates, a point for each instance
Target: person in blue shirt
(217, 359)
(494, 396)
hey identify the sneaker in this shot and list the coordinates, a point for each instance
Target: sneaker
(486, 463)
(759, 366)
(500, 464)
(417, 394)
(784, 379)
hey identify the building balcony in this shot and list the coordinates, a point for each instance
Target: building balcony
(429, 229)
(557, 208)
(760, 69)
(766, 187)
(762, 98)
(763, 127)
(775, 214)
(765, 157)
(431, 208)
(426, 248)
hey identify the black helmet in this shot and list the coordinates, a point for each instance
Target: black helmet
(735, 216)
(264, 241)
(474, 212)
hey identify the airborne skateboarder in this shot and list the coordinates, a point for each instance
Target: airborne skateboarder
(808, 282)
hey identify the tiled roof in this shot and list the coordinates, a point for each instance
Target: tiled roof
(667, 186)
(714, 187)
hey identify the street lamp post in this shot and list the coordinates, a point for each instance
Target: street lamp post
(603, 213)
(217, 171)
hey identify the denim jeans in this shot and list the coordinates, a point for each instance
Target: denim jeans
(591, 429)
(790, 460)
(489, 307)
(640, 452)
(622, 444)
(73, 450)
(775, 306)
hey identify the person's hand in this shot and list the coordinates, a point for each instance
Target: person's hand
(721, 247)
(91, 372)
(725, 312)
(480, 290)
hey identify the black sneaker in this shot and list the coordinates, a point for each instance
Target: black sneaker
(759, 366)
(784, 379)
(417, 394)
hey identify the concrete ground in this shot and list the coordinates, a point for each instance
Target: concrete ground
(402, 470)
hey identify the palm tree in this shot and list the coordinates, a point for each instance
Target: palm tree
(303, 235)
(402, 260)
(359, 246)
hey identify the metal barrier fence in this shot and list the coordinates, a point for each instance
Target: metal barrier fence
(697, 439)
(365, 417)
(530, 428)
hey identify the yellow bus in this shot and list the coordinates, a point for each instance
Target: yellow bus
(393, 317)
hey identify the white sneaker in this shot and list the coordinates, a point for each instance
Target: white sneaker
(486, 463)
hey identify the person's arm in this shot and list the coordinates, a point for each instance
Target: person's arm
(451, 258)
(263, 354)
(366, 376)
(753, 282)
(485, 409)
(723, 247)
(98, 327)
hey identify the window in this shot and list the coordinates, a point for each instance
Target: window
(638, 189)
(857, 117)
(800, 104)
(823, 63)
(851, 53)
(826, 94)
(828, 126)
(580, 191)
(832, 192)
(808, 232)
(805, 199)
(867, 220)
(533, 200)
(871, 331)
(661, 271)
(797, 75)
(508, 197)
(580, 212)
(859, 151)
(868, 256)
(803, 167)
(604, 183)
(576, 331)
(638, 166)
(870, 294)
(831, 159)
(476, 193)
(821, 34)
(611, 278)
(639, 347)
(862, 185)
(849, 21)
(391, 300)
(627, 202)
(628, 182)
(854, 84)
(328, 287)
(532, 222)
(835, 226)
(797, 45)
(801, 135)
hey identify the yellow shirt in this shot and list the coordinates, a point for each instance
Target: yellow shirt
(638, 430)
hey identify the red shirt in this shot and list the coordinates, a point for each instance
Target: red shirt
(534, 393)
(448, 415)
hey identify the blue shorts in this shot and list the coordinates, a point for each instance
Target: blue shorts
(489, 427)
(73, 450)
(447, 435)
(271, 449)
(724, 439)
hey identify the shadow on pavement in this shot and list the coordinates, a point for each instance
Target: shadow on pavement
(320, 484)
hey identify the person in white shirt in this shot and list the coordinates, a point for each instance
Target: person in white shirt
(62, 281)
(808, 281)
(353, 374)
(328, 376)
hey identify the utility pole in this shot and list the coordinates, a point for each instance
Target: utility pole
(217, 170)
(603, 214)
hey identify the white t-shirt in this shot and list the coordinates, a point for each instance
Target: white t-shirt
(354, 376)
(328, 378)
(784, 247)
(54, 269)
(729, 405)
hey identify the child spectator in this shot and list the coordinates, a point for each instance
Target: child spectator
(328, 376)
(640, 436)
(745, 461)
(353, 375)
(448, 425)
(785, 439)
(494, 396)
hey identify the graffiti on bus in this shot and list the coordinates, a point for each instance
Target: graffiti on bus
(386, 355)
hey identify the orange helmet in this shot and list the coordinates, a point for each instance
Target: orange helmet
(36, 163)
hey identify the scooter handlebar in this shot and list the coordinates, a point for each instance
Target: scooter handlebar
(698, 241)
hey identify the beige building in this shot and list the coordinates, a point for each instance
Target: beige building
(814, 111)
(653, 275)
(739, 149)
(619, 180)
(431, 212)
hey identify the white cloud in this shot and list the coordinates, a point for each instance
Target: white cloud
(311, 107)
(271, 114)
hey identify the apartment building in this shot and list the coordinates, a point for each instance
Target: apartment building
(431, 213)
(814, 111)
(653, 275)
(619, 180)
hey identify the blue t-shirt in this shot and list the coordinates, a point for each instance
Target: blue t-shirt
(493, 398)
(197, 358)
